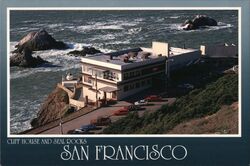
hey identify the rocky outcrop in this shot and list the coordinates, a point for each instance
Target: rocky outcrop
(199, 21)
(84, 51)
(55, 105)
(25, 59)
(40, 40)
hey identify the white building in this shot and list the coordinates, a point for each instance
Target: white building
(121, 74)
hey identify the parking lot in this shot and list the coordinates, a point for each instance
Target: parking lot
(106, 111)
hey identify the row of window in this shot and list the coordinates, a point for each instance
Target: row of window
(137, 85)
(145, 71)
(108, 74)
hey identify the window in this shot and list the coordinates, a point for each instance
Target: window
(137, 85)
(143, 83)
(87, 79)
(131, 86)
(125, 88)
(148, 81)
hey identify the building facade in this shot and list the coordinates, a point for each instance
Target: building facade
(118, 75)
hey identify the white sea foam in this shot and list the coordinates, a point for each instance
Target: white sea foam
(107, 25)
(20, 119)
(133, 31)
(174, 17)
(54, 25)
(59, 59)
(179, 29)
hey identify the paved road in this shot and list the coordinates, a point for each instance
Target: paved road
(85, 119)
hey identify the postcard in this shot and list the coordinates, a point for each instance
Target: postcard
(127, 85)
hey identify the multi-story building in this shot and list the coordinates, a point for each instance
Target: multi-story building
(121, 74)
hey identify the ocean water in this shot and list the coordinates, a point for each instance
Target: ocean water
(104, 30)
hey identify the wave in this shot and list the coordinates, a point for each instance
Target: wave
(174, 17)
(133, 31)
(54, 25)
(20, 119)
(107, 25)
(177, 27)
(59, 59)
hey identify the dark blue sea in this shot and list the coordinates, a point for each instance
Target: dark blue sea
(105, 30)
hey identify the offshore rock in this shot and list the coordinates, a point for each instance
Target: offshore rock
(40, 40)
(84, 51)
(199, 21)
(25, 59)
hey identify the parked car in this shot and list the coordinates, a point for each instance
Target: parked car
(122, 111)
(133, 107)
(101, 121)
(186, 86)
(89, 127)
(153, 98)
(79, 131)
(141, 102)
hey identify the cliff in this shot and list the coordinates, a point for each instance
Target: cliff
(55, 105)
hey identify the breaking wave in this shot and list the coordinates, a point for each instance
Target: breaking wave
(59, 60)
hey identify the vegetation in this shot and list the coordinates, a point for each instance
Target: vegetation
(196, 104)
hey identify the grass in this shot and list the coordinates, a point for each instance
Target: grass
(196, 104)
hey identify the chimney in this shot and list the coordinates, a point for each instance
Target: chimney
(160, 48)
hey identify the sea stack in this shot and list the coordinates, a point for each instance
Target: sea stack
(199, 21)
(40, 40)
(25, 59)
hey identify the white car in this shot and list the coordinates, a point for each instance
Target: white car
(141, 102)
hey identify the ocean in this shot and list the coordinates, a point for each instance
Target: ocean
(104, 30)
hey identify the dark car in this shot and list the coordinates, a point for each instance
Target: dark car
(133, 107)
(79, 131)
(101, 121)
(89, 127)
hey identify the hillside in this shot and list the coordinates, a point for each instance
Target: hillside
(196, 104)
(225, 121)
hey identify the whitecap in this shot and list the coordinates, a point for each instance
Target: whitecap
(59, 60)
(174, 17)
(133, 31)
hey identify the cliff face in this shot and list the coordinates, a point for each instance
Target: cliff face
(55, 105)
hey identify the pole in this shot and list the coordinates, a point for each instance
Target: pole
(60, 123)
(96, 92)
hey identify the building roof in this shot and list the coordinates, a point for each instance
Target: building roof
(118, 57)
(135, 57)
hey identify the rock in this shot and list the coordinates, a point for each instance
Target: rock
(40, 40)
(199, 21)
(84, 51)
(56, 104)
(25, 59)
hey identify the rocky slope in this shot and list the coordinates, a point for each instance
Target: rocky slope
(56, 105)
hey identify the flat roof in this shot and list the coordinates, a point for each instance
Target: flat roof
(118, 57)
(142, 55)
